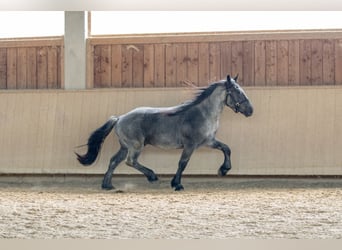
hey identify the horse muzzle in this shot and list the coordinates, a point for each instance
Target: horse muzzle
(244, 108)
(248, 112)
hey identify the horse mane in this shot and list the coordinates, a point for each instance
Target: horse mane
(201, 95)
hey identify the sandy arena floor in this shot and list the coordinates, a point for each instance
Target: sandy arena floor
(211, 208)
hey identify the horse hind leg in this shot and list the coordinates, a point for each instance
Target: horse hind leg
(132, 161)
(114, 162)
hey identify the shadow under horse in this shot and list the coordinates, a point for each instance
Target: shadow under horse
(187, 126)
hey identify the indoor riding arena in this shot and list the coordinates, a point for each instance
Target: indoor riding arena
(286, 175)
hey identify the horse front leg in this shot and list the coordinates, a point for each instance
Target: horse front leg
(227, 165)
(176, 181)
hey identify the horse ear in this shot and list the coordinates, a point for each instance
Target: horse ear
(228, 82)
(236, 77)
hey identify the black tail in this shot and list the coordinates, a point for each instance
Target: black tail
(95, 142)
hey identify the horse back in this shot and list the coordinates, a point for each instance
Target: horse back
(150, 126)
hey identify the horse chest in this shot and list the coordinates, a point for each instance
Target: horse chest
(212, 127)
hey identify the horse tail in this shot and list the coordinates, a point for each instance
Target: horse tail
(95, 142)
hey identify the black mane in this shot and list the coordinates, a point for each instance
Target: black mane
(202, 94)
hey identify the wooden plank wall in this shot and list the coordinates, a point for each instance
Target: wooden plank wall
(31, 63)
(261, 59)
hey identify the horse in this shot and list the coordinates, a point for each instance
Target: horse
(187, 126)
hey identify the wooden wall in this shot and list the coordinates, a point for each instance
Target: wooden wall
(261, 59)
(167, 60)
(31, 63)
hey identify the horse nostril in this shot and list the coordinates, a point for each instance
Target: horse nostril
(250, 111)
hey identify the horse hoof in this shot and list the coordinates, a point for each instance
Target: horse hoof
(107, 187)
(222, 171)
(152, 178)
(179, 188)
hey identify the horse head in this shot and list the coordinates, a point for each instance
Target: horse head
(236, 97)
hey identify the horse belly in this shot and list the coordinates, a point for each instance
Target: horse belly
(168, 145)
(163, 140)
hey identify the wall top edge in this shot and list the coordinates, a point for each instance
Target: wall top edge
(217, 36)
(149, 90)
(32, 41)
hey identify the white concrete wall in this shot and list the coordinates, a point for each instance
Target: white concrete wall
(75, 49)
(294, 131)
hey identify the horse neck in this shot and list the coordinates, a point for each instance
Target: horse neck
(214, 104)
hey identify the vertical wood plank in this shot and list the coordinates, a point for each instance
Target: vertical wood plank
(283, 62)
(22, 68)
(182, 62)
(52, 65)
(214, 62)
(226, 56)
(271, 63)
(138, 65)
(294, 74)
(60, 67)
(260, 63)
(203, 64)
(90, 65)
(97, 66)
(248, 63)
(106, 66)
(116, 65)
(338, 61)
(3, 68)
(305, 62)
(42, 68)
(237, 60)
(12, 68)
(171, 65)
(159, 65)
(328, 62)
(127, 66)
(149, 65)
(32, 68)
(193, 63)
(317, 62)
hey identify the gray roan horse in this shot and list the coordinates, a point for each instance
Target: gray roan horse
(187, 126)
